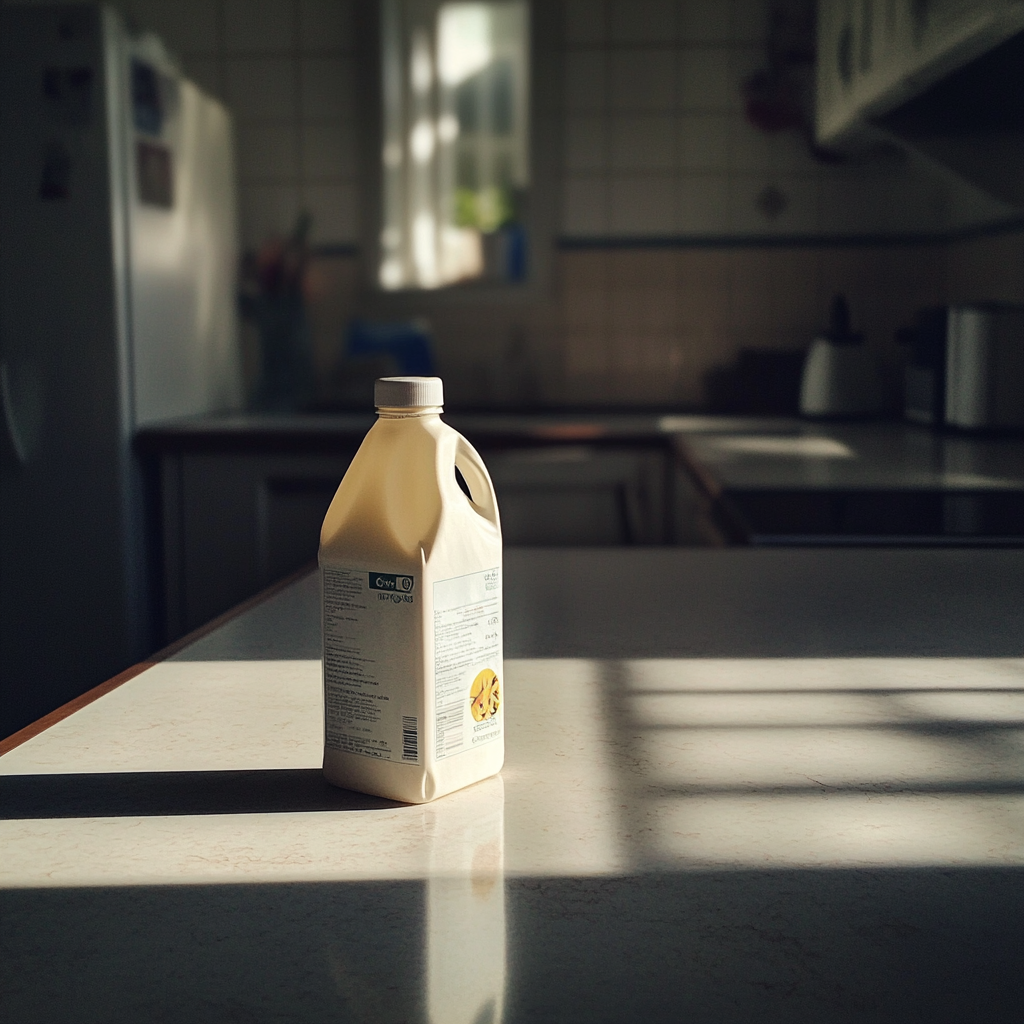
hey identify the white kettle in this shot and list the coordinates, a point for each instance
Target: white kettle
(840, 375)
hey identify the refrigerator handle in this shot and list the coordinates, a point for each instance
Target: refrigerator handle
(13, 442)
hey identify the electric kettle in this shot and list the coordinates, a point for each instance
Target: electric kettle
(840, 375)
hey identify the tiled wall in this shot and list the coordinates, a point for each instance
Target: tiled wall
(648, 326)
(655, 147)
(986, 269)
(285, 69)
(656, 142)
(654, 139)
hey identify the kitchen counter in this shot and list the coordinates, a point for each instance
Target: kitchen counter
(740, 785)
(837, 483)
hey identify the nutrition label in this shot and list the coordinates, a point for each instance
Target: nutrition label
(467, 661)
(371, 666)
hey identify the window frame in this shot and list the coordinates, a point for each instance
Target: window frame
(544, 151)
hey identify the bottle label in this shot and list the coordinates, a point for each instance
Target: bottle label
(467, 662)
(372, 664)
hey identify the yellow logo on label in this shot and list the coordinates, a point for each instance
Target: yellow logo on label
(485, 695)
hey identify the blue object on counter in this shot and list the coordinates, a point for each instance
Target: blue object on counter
(408, 343)
(515, 254)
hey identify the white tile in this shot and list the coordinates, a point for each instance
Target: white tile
(327, 88)
(334, 212)
(585, 206)
(643, 142)
(644, 205)
(585, 143)
(853, 206)
(643, 80)
(259, 26)
(185, 26)
(882, 204)
(705, 21)
(585, 81)
(703, 142)
(267, 152)
(785, 152)
(750, 149)
(206, 72)
(799, 215)
(749, 21)
(791, 154)
(585, 22)
(261, 87)
(706, 81)
(267, 210)
(325, 25)
(643, 21)
(703, 204)
(743, 62)
(328, 151)
(585, 354)
(917, 204)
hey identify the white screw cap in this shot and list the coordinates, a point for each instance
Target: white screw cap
(408, 392)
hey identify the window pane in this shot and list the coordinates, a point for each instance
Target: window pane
(455, 160)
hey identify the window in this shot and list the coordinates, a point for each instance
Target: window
(455, 159)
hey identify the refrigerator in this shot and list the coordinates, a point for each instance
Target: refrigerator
(118, 262)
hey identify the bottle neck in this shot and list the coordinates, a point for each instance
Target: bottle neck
(388, 412)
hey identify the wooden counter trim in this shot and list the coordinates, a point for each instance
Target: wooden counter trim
(723, 522)
(66, 710)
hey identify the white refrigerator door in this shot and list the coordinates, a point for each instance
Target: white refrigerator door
(72, 583)
(184, 257)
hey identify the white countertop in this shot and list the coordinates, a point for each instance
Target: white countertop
(739, 785)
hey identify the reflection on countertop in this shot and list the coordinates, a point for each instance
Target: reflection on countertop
(740, 785)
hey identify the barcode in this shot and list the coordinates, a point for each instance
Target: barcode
(410, 740)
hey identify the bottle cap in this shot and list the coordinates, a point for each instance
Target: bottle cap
(408, 392)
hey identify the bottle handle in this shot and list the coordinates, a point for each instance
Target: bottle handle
(474, 472)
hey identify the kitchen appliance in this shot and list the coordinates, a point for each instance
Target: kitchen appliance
(840, 375)
(925, 372)
(117, 309)
(985, 367)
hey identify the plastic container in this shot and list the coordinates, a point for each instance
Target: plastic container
(410, 568)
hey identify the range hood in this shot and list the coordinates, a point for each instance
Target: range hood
(973, 122)
(945, 78)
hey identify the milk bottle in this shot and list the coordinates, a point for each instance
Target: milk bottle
(411, 574)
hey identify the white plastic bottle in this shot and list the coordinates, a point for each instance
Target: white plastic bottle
(411, 574)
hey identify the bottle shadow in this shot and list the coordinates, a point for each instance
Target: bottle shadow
(134, 794)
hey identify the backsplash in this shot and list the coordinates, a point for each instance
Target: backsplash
(646, 326)
(657, 322)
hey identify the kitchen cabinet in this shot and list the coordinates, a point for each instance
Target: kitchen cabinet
(235, 522)
(874, 55)
(242, 498)
(581, 496)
